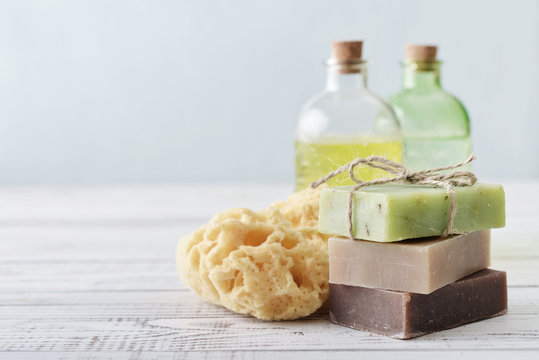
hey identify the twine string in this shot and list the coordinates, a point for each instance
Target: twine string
(403, 175)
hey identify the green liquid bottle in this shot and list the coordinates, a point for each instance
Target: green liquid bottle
(344, 122)
(435, 125)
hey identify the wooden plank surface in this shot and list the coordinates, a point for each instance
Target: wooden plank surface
(89, 273)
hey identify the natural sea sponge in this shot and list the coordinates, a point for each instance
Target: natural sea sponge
(272, 264)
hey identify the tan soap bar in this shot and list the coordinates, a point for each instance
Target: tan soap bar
(418, 266)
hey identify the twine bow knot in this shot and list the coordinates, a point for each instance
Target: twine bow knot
(403, 175)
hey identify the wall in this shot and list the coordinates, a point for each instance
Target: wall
(135, 91)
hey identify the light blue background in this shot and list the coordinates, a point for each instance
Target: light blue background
(136, 91)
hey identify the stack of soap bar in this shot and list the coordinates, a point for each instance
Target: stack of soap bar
(399, 277)
(393, 212)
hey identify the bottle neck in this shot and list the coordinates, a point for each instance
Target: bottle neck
(421, 75)
(346, 77)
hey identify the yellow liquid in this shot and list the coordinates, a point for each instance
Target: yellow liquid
(317, 159)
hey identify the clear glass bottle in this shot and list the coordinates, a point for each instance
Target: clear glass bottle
(435, 125)
(344, 122)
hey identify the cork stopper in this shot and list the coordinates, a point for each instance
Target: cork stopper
(420, 52)
(346, 50)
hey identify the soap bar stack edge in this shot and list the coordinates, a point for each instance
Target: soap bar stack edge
(402, 279)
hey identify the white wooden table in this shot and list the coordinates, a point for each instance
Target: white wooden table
(89, 273)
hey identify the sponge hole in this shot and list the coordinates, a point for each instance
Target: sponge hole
(289, 243)
(297, 276)
(227, 285)
(256, 237)
(238, 279)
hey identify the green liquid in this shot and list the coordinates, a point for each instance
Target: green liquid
(435, 125)
(426, 153)
(315, 160)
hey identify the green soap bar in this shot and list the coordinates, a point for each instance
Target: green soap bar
(393, 212)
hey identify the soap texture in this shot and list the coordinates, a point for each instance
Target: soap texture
(405, 315)
(272, 264)
(420, 266)
(393, 212)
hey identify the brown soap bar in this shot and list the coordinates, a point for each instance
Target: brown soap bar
(405, 315)
(418, 266)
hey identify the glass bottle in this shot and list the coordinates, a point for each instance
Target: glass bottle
(344, 122)
(435, 125)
